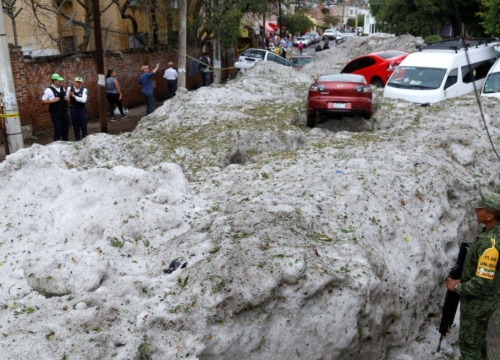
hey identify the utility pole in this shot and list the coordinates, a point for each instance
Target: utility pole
(99, 60)
(8, 94)
(343, 21)
(181, 63)
(280, 19)
(216, 63)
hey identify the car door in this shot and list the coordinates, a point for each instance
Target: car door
(271, 57)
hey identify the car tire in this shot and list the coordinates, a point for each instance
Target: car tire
(377, 82)
(311, 120)
(367, 116)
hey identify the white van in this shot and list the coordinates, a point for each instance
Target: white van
(441, 71)
(492, 83)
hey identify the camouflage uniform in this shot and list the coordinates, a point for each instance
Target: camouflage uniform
(479, 295)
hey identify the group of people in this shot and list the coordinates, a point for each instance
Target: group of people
(74, 99)
(326, 46)
(59, 99)
(274, 43)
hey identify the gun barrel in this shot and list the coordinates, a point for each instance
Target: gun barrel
(450, 306)
(452, 298)
(439, 345)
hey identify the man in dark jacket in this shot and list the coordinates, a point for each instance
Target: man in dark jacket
(77, 98)
(479, 288)
(55, 97)
(205, 68)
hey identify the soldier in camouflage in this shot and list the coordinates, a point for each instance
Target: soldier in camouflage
(479, 288)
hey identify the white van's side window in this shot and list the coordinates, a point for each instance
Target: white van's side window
(476, 71)
(451, 79)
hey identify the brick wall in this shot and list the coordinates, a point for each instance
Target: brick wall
(32, 76)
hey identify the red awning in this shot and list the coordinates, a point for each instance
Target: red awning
(269, 28)
(273, 25)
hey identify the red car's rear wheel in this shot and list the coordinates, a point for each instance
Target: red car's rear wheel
(311, 120)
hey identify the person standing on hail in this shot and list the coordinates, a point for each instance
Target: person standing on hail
(146, 81)
(479, 287)
(77, 98)
(55, 97)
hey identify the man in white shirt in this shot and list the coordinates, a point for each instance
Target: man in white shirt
(171, 77)
(55, 97)
(77, 98)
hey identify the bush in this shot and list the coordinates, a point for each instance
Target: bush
(432, 39)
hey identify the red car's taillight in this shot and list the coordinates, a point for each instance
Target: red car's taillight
(317, 87)
(363, 88)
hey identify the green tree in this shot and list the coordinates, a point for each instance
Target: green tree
(298, 23)
(331, 20)
(361, 20)
(415, 17)
(491, 15)
(222, 19)
(420, 17)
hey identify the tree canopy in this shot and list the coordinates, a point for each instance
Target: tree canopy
(297, 23)
(422, 17)
(490, 15)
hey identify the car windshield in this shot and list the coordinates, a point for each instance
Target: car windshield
(492, 83)
(301, 61)
(420, 78)
(301, 38)
(255, 53)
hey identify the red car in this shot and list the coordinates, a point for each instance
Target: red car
(339, 95)
(376, 67)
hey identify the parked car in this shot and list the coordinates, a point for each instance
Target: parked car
(329, 34)
(310, 37)
(492, 83)
(376, 67)
(250, 57)
(316, 39)
(299, 61)
(304, 40)
(346, 37)
(339, 95)
(343, 37)
(441, 71)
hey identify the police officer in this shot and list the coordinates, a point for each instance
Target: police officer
(55, 97)
(77, 98)
(479, 288)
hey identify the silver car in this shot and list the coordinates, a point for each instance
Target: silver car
(250, 57)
